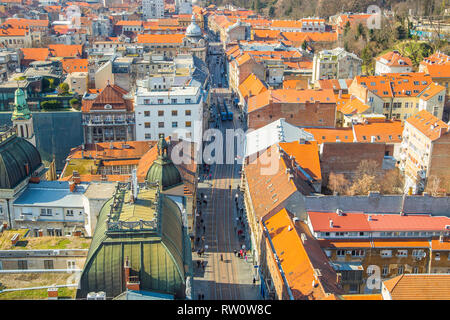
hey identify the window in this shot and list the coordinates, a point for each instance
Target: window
(385, 271)
(174, 113)
(340, 253)
(160, 101)
(50, 232)
(328, 253)
(187, 101)
(48, 264)
(357, 253)
(146, 101)
(160, 124)
(69, 213)
(58, 232)
(174, 124)
(146, 113)
(187, 113)
(148, 136)
(46, 212)
(71, 264)
(174, 101)
(161, 113)
(440, 98)
(400, 270)
(188, 124)
(402, 253)
(418, 253)
(386, 253)
(415, 270)
(1, 209)
(22, 264)
(147, 124)
(437, 256)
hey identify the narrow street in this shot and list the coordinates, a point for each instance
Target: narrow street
(225, 276)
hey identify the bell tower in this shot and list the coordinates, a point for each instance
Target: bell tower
(22, 118)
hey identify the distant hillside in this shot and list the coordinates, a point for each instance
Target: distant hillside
(295, 9)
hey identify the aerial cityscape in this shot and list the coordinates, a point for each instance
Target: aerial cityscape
(227, 150)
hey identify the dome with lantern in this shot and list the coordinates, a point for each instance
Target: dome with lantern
(193, 30)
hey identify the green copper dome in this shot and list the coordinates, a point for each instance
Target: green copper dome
(163, 170)
(18, 160)
(21, 110)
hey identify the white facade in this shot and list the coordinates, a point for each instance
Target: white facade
(335, 64)
(382, 67)
(177, 112)
(153, 9)
(184, 6)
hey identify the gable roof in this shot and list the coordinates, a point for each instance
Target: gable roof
(394, 59)
(322, 135)
(306, 155)
(429, 125)
(66, 50)
(388, 131)
(304, 264)
(252, 86)
(112, 95)
(419, 287)
(35, 54)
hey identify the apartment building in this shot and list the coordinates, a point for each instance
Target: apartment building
(153, 9)
(163, 107)
(395, 244)
(438, 67)
(399, 95)
(15, 38)
(335, 64)
(302, 25)
(425, 151)
(108, 116)
(392, 62)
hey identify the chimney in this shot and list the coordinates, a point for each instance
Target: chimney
(339, 212)
(27, 168)
(72, 186)
(373, 139)
(331, 223)
(369, 217)
(52, 293)
(340, 94)
(289, 228)
(441, 238)
(126, 268)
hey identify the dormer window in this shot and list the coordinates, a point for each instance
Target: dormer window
(108, 106)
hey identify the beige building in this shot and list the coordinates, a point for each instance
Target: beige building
(15, 38)
(399, 95)
(425, 152)
(78, 82)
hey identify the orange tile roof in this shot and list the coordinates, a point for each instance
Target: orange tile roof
(322, 135)
(35, 54)
(66, 50)
(403, 84)
(160, 38)
(431, 91)
(437, 245)
(419, 287)
(340, 102)
(306, 156)
(266, 34)
(400, 243)
(334, 84)
(251, 86)
(305, 266)
(353, 106)
(243, 59)
(129, 23)
(121, 162)
(74, 65)
(25, 23)
(13, 32)
(395, 59)
(389, 131)
(299, 37)
(286, 24)
(103, 151)
(292, 84)
(269, 184)
(290, 96)
(428, 124)
(439, 70)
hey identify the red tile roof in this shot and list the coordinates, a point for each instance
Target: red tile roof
(66, 50)
(331, 135)
(74, 65)
(386, 131)
(160, 38)
(394, 59)
(112, 95)
(320, 222)
(35, 54)
(306, 156)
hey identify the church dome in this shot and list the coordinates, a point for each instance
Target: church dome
(193, 30)
(18, 159)
(163, 171)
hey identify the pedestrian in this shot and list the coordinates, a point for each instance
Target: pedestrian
(235, 251)
(204, 229)
(201, 221)
(203, 296)
(221, 257)
(245, 257)
(198, 264)
(254, 280)
(198, 239)
(199, 296)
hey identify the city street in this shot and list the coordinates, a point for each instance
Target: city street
(224, 275)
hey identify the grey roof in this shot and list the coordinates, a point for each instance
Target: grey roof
(52, 194)
(143, 295)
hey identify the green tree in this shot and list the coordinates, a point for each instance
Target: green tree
(63, 88)
(271, 11)
(305, 45)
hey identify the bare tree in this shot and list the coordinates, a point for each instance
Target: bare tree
(433, 185)
(367, 167)
(364, 184)
(338, 183)
(392, 182)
